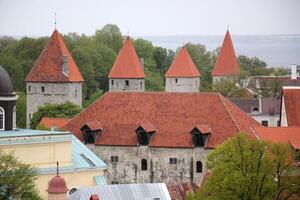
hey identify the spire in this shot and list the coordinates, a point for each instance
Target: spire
(226, 64)
(127, 64)
(183, 66)
(55, 21)
(57, 173)
(52, 63)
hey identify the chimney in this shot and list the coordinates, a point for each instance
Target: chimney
(65, 67)
(142, 62)
(294, 73)
(94, 197)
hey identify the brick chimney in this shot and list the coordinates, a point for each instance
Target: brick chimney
(294, 73)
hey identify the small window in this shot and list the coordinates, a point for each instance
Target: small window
(75, 93)
(114, 182)
(74, 189)
(43, 89)
(265, 123)
(278, 123)
(144, 164)
(255, 109)
(141, 85)
(112, 82)
(199, 167)
(29, 88)
(114, 159)
(2, 118)
(176, 80)
(127, 82)
(173, 160)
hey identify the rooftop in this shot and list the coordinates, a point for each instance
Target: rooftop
(291, 96)
(174, 116)
(56, 122)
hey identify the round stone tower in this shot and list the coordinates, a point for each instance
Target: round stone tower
(8, 100)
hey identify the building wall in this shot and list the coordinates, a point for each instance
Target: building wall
(73, 179)
(47, 156)
(272, 119)
(183, 84)
(128, 168)
(220, 78)
(137, 85)
(54, 93)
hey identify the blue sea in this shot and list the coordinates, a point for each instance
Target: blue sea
(275, 50)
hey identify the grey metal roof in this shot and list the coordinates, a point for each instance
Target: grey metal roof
(147, 191)
(6, 88)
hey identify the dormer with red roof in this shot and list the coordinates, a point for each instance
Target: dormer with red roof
(227, 65)
(54, 77)
(183, 75)
(127, 73)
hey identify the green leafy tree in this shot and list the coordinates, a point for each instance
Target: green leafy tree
(229, 88)
(21, 110)
(17, 180)
(93, 98)
(111, 36)
(66, 110)
(248, 169)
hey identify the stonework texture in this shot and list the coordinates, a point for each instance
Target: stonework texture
(183, 84)
(128, 168)
(136, 85)
(54, 93)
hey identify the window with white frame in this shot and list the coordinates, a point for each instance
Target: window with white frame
(2, 118)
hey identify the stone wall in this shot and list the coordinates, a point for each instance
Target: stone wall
(128, 168)
(137, 85)
(53, 93)
(183, 84)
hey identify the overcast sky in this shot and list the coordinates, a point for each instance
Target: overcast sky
(151, 17)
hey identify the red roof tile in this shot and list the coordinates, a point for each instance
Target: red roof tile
(57, 122)
(127, 64)
(174, 115)
(148, 127)
(289, 135)
(226, 64)
(48, 66)
(183, 66)
(94, 125)
(203, 128)
(292, 107)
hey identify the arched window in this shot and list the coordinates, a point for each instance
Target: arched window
(144, 164)
(2, 118)
(199, 167)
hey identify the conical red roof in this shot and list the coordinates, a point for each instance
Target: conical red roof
(183, 66)
(127, 64)
(226, 64)
(48, 66)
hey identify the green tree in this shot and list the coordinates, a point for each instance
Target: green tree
(248, 169)
(21, 110)
(93, 98)
(17, 180)
(65, 110)
(229, 88)
(111, 36)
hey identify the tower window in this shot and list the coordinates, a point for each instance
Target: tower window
(176, 80)
(144, 164)
(265, 123)
(141, 85)
(173, 160)
(43, 89)
(2, 118)
(114, 159)
(75, 93)
(127, 82)
(199, 167)
(112, 82)
(29, 88)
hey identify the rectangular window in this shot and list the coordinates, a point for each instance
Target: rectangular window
(114, 182)
(173, 160)
(29, 88)
(176, 80)
(43, 89)
(127, 82)
(112, 82)
(265, 123)
(75, 93)
(278, 123)
(114, 159)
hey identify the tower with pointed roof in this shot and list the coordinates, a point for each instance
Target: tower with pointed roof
(226, 66)
(183, 75)
(54, 78)
(127, 73)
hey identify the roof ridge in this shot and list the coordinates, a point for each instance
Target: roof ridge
(233, 119)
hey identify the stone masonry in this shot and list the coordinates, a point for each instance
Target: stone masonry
(182, 84)
(134, 84)
(55, 93)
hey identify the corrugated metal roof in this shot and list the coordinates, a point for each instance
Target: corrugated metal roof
(157, 191)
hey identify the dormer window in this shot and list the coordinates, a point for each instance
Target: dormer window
(91, 132)
(144, 133)
(200, 135)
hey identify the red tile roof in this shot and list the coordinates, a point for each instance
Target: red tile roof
(174, 115)
(94, 125)
(226, 64)
(48, 66)
(180, 190)
(57, 122)
(127, 64)
(291, 97)
(203, 128)
(148, 126)
(183, 66)
(289, 135)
